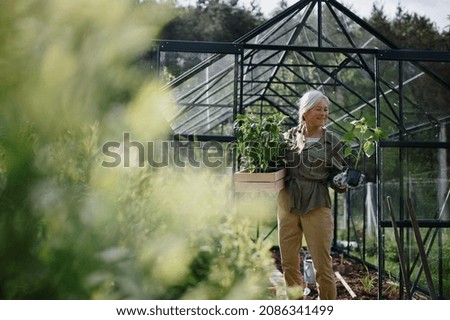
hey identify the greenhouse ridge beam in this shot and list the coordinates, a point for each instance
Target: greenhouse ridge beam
(199, 46)
(413, 55)
(237, 48)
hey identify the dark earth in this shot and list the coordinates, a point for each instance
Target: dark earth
(361, 280)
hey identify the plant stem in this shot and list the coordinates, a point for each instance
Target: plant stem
(361, 139)
(358, 156)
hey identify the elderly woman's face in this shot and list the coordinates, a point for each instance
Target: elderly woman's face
(318, 115)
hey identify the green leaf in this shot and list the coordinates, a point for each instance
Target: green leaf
(369, 148)
(379, 134)
(261, 140)
(348, 136)
(348, 151)
(367, 135)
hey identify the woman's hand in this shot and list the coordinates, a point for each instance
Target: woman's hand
(343, 181)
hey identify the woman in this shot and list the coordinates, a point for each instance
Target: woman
(314, 156)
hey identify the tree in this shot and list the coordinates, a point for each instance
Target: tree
(379, 20)
(213, 20)
(208, 20)
(408, 30)
(282, 5)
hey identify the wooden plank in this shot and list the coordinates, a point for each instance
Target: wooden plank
(259, 182)
(244, 186)
(263, 177)
(352, 293)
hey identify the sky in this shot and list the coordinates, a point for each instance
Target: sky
(436, 10)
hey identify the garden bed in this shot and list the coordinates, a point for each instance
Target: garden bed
(362, 282)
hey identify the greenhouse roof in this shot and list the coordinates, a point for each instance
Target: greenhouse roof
(316, 44)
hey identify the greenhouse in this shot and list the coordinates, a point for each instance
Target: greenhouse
(323, 45)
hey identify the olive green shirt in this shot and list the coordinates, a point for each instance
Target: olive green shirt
(310, 171)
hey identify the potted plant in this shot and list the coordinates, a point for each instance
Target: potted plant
(260, 149)
(365, 136)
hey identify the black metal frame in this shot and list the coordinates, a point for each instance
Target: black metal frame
(245, 62)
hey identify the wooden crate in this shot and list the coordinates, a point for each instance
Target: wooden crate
(259, 182)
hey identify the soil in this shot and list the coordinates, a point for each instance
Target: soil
(362, 282)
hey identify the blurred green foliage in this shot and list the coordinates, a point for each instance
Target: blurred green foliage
(72, 229)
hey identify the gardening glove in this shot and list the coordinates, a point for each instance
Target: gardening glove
(340, 180)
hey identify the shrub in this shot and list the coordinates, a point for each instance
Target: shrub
(260, 142)
(72, 229)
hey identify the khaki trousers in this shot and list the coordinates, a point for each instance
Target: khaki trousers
(317, 227)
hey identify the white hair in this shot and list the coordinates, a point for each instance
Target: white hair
(308, 101)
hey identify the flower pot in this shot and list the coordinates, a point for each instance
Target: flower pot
(353, 177)
(259, 182)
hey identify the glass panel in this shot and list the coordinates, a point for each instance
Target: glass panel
(341, 31)
(424, 109)
(336, 32)
(307, 36)
(201, 97)
(422, 176)
(280, 33)
(174, 64)
(419, 174)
